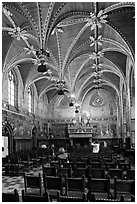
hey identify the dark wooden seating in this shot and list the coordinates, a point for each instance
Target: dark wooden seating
(96, 172)
(130, 174)
(95, 164)
(16, 168)
(14, 159)
(49, 170)
(67, 164)
(34, 158)
(55, 163)
(107, 160)
(125, 188)
(80, 164)
(33, 184)
(119, 160)
(5, 166)
(111, 165)
(35, 198)
(64, 171)
(25, 160)
(94, 199)
(42, 154)
(86, 160)
(52, 185)
(74, 186)
(124, 166)
(10, 197)
(115, 172)
(99, 186)
(79, 172)
(5, 160)
(71, 199)
(95, 159)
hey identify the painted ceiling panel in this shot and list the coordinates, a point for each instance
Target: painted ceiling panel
(68, 37)
(24, 69)
(124, 20)
(104, 5)
(118, 58)
(39, 84)
(112, 77)
(5, 46)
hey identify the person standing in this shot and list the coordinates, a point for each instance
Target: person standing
(96, 146)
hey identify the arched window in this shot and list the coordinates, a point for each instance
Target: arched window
(12, 89)
(30, 100)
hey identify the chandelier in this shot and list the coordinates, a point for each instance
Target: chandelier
(42, 56)
(60, 85)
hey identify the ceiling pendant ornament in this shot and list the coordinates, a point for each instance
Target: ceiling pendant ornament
(97, 66)
(96, 20)
(15, 32)
(30, 49)
(57, 29)
(18, 33)
(96, 41)
(97, 55)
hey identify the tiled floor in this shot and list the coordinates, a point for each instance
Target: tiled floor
(10, 183)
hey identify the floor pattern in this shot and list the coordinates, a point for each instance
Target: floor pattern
(10, 183)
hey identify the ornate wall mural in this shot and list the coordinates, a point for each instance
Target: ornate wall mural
(96, 100)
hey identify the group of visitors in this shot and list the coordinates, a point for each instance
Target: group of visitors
(62, 153)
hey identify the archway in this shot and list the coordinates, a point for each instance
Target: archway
(7, 146)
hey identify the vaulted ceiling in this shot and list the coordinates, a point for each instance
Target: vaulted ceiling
(71, 35)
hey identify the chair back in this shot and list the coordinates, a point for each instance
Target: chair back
(5, 160)
(35, 198)
(96, 172)
(99, 185)
(80, 164)
(70, 199)
(93, 198)
(10, 197)
(74, 184)
(130, 174)
(51, 182)
(55, 163)
(116, 172)
(49, 170)
(120, 160)
(111, 165)
(124, 187)
(64, 171)
(67, 165)
(24, 157)
(95, 164)
(124, 166)
(33, 184)
(14, 159)
(79, 172)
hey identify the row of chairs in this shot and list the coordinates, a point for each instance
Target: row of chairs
(93, 163)
(15, 165)
(88, 171)
(84, 197)
(77, 186)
